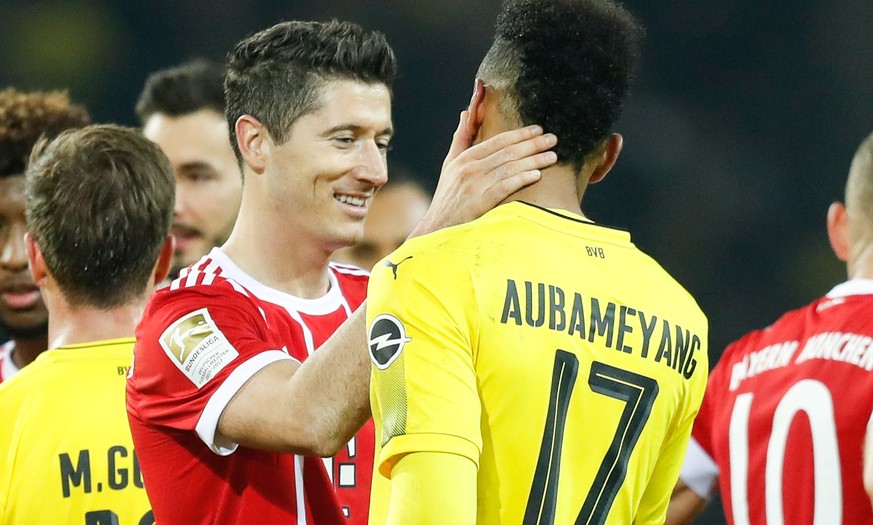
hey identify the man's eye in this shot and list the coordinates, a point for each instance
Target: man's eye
(345, 141)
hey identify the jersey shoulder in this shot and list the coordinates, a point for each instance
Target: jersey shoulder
(662, 283)
(453, 247)
(55, 365)
(352, 281)
(29, 378)
(181, 297)
(349, 272)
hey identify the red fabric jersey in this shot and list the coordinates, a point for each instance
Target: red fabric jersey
(199, 341)
(785, 415)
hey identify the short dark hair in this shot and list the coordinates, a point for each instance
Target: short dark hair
(276, 75)
(99, 203)
(183, 89)
(565, 65)
(27, 116)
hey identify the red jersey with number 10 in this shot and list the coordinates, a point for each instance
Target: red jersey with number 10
(199, 341)
(785, 415)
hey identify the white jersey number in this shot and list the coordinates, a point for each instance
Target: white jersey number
(814, 399)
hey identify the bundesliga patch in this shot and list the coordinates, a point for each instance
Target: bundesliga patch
(197, 347)
(387, 338)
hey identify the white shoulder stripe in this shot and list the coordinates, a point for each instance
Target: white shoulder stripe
(191, 280)
(237, 287)
(205, 270)
(307, 333)
(300, 495)
(177, 282)
(211, 268)
(348, 269)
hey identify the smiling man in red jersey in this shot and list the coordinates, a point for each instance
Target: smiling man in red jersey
(24, 117)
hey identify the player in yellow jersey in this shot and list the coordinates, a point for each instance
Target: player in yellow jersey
(99, 202)
(532, 366)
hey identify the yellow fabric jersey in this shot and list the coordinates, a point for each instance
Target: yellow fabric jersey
(559, 358)
(66, 455)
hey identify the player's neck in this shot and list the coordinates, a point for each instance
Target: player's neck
(862, 263)
(555, 190)
(83, 324)
(276, 256)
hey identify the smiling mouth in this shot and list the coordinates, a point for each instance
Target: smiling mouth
(352, 201)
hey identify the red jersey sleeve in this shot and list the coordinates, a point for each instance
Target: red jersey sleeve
(195, 348)
(702, 430)
(714, 401)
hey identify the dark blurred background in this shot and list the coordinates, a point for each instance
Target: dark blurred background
(739, 132)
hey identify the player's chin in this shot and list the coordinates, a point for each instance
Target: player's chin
(25, 324)
(347, 236)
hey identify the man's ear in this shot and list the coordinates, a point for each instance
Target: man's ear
(838, 230)
(38, 269)
(607, 160)
(253, 141)
(165, 259)
(476, 108)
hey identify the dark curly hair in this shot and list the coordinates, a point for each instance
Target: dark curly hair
(565, 65)
(183, 89)
(27, 116)
(276, 75)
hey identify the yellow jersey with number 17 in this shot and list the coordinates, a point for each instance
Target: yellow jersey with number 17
(66, 452)
(559, 358)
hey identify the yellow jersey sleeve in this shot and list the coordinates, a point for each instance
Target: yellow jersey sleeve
(450, 496)
(423, 384)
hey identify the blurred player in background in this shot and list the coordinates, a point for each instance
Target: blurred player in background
(66, 454)
(533, 366)
(395, 210)
(24, 118)
(181, 109)
(781, 431)
(253, 364)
